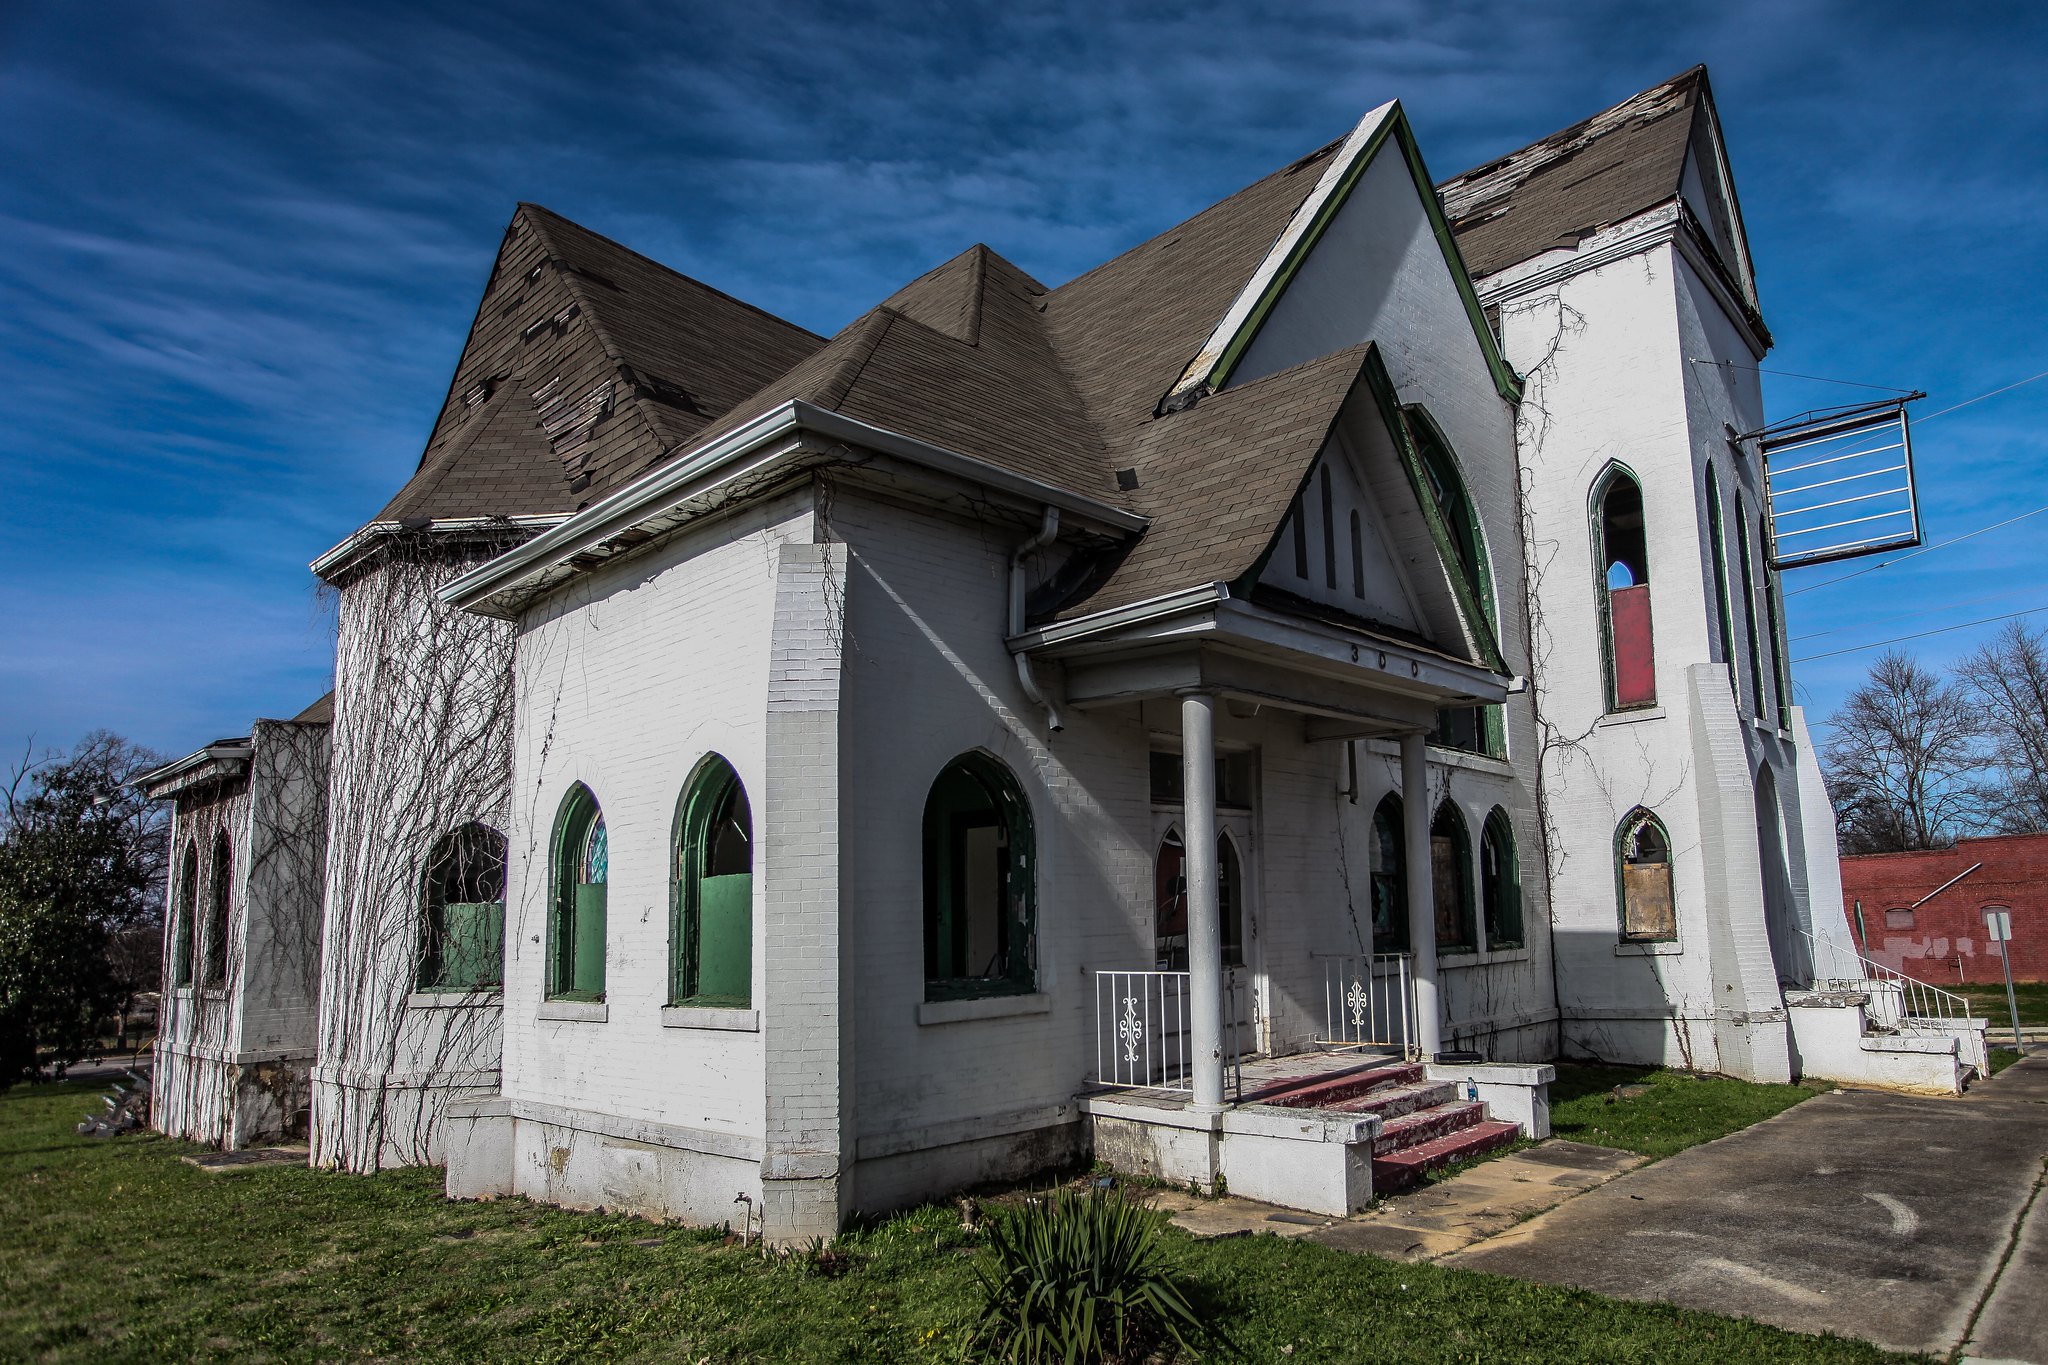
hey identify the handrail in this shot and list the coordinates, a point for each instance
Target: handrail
(1918, 999)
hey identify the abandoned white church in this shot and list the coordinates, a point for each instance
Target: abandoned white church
(1241, 712)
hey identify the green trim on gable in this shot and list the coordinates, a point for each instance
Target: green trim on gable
(1505, 380)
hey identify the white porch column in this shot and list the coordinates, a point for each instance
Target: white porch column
(1415, 816)
(1205, 923)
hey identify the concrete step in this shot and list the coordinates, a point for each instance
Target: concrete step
(1404, 1169)
(1393, 1101)
(1427, 1125)
(1331, 1092)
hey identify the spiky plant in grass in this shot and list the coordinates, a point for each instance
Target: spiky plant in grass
(1080, 1278)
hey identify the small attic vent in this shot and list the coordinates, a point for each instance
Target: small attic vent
(567, 418)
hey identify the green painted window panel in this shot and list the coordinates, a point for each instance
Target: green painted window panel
(472, 944)
(725, 939)
(587, 958)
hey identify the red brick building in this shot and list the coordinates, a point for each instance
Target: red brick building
(1943, 941)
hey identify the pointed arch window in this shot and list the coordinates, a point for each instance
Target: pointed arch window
(1475, 729)
(712, 937)
(1717, 541)
(1756, 667)
(463, 912)
(1450, 857)
(214, 971)
(1170, 887)
(1389, 878)
(1774, 607)
(1500, 881)
(185, 917)
(576, 928)
(980, 875)
(1642, 874)
(1621, 554)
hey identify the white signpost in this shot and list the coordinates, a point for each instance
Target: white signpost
(1998, 924)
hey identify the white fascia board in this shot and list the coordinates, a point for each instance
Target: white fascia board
(1241, 308)
(753, 449)
(357, 540)
(213, 762)
(1210, 611)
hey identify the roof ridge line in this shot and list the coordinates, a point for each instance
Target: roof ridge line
(877, 321)
(974, 298)
(525, 204)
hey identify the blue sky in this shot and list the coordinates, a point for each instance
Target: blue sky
(240, 244)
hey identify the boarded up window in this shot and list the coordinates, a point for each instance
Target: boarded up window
(1898, 919)
(1648, 911)
(713, 940)
(464, 929)
(576, 930)
(1625, 594)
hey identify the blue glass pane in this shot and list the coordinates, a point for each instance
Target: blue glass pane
(596, 855)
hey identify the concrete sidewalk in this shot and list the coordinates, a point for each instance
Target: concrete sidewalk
(1909, 1222)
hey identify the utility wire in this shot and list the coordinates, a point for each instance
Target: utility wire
(1928, 611)
(1911, 554)
(1918, 635)
(1818, 379)
(1982, 396)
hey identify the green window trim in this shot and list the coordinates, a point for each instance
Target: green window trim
(1774, 612)
(1717, 538)
(1389, 874)
(1749, 632)
(1454, 523)
(185, 918)
(1500, 882)
(1629, 852)
(1605, 556)
(711, 934)
(1448, 824)
(977, 824)
(581, 871)
(462, 913)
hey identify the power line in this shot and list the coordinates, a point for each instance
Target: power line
(1982, 396)
(1918, 635)
(1818, 379)
(1924, 549)
(1928, 611)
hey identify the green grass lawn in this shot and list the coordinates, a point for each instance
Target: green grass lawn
(115, 1250)
(2003, 1057)
(1988, 1002)
(1679, 1111)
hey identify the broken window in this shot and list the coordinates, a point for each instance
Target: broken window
(1170, 896)
(463, 925)
(1500, 881)
(1389, 878)
(1233, 780)
(1450, 860)
(185, 917)
(1643, 857)
(1622, 556)
(1474, 729)
(1782, 674)
(576, 930)
(1756, 668)
(215, 972)
(980, 897)
(713, 937)
(1717, 539)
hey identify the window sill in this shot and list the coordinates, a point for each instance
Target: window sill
(455, 1000)
(574, 1011)
(1518, 953)
(1471, 762)
(718, 1018)
(1464, 957)
(1653, 948)
(982, 1007)
(1629, 717)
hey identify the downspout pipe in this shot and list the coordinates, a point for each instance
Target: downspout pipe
(1048, 531)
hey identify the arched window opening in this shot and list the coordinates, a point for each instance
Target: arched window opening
(1389, 878)
(1756, 668)
(1781, 675)
(215, 971)
(576, 930)
(185, 919)
(1649, 911)
(1170, 888)
(980, 895)
(1475, 729)
(713, 938)
(1329, 528)
(1500, 881)
(1717, 541)
(1450, 859)
(1623, 562)
(463, 897)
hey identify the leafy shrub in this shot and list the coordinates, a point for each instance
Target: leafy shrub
(1079, 1278)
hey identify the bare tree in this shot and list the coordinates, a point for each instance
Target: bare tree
(2007, 682)
(1903, 758)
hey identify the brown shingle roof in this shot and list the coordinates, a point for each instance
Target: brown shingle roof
(1555, 191)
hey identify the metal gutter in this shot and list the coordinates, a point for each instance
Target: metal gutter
(360, 538)
(660, 491)
(1152, 608)
(226, 754)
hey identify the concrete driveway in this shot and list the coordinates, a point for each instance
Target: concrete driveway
(1913, 1223)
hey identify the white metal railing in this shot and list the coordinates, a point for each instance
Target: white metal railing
(1142, 1038)
(1368, 1000)
(1897, 1001)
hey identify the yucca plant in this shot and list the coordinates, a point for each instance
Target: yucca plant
(1079, 1279)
